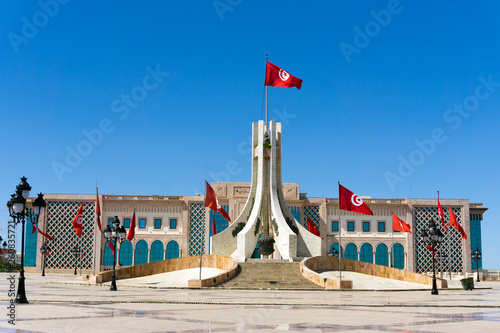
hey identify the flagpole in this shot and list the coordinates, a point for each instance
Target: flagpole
(201, 249)
(267, 101)
(95, 229)
(80, 254)
(392, 249)
(340, 242)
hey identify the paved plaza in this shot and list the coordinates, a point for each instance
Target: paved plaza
(59, 303)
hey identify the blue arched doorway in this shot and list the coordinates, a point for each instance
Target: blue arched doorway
(351, 251)
(366, 253)
(141, 252)
(381, 255)
(172, 250)
(398, 254)
(156, 251)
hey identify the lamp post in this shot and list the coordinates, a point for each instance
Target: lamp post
(18, 211)
(436, 237)
(114, 234)
(478, 255)
(442, 258)
(44, 249)
(76, 253)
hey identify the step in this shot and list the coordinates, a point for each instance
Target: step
(269, 274)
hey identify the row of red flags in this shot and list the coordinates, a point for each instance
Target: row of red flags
(347, 201)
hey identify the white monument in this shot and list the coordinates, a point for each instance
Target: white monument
(266, 218)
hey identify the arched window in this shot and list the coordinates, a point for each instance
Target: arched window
(381, 255)
(156, 251)
(108, 255)
(366, 253)
(141, 252)
(172, 250)
(335, 246)
(398, 255)
(126, 253)
(351, 251)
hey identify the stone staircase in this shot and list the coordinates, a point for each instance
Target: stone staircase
(270, 274)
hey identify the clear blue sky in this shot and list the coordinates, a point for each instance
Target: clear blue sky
(378, 76)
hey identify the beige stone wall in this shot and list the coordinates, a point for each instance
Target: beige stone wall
(227, 264)
(309, 268)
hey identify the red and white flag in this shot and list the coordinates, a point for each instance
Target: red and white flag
(311, 227)
(454, 223)
(278, 77)
(400, 225)
(441, 214)
(351, 202)
(77, 221)
(214, 228)
(98, 210)
(131, 231)
(212, 202)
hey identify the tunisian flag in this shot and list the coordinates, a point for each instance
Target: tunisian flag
(311, 227)
(454, 223)
(441, 215)
(351, 202)
(131, 231)
(77, 221)
(212, 202)
(278, 77)
(400, 225)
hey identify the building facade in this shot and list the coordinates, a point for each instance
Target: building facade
(177, 226)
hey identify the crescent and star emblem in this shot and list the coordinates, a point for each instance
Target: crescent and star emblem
(356, 201)
(284, 75)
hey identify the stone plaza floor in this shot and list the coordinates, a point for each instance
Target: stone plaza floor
(59, 303)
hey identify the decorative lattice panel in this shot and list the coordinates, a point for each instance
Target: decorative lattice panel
(311, 212)
(60, 217)
(196, 228)
(451, 245)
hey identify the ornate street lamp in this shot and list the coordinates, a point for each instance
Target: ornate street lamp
(18, 211)
(114, 234)
(76, 253)
(478, 255)
(436, 237)
(44, 249)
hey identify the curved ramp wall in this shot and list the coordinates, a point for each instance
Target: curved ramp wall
(227, 264)
(310, 266)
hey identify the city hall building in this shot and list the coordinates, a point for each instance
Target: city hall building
(178, 226)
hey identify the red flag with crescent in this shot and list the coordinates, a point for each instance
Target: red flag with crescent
(278, 77)
(351, 202)
(77, 221)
